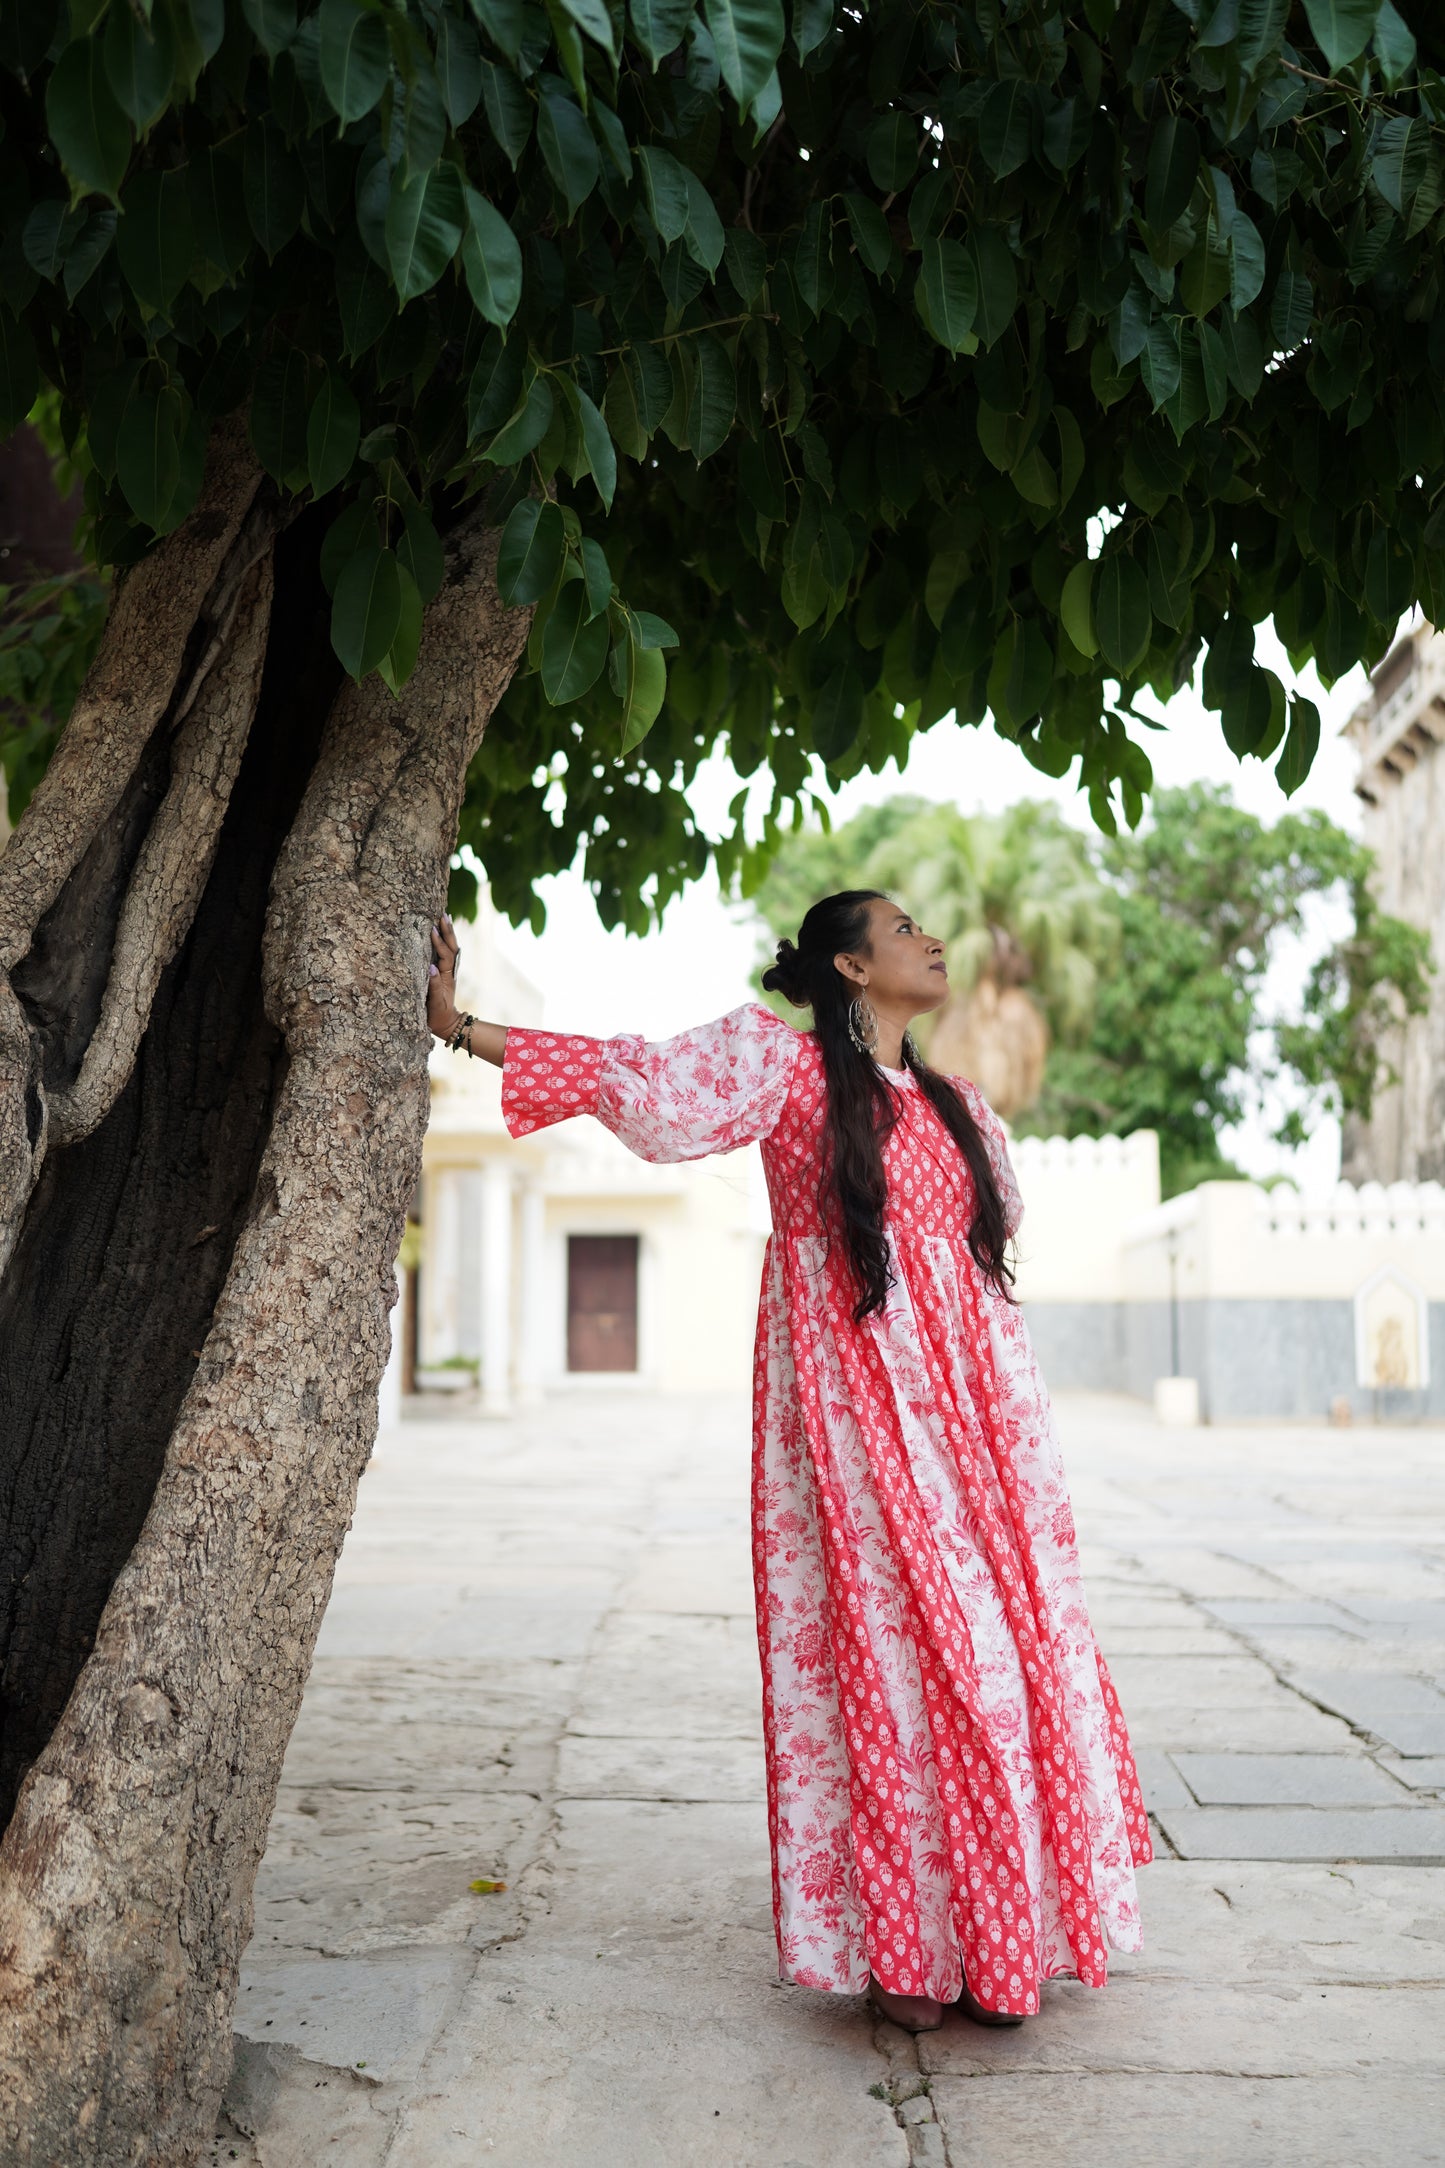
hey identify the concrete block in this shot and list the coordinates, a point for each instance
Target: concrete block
(1272, 1780)
(1196, 2120)
(1302, 1833)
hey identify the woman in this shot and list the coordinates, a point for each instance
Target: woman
(954, 1810)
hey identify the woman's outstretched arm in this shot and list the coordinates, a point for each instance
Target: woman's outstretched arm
(487, 1041)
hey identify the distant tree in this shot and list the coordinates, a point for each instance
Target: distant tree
(1178, 1041)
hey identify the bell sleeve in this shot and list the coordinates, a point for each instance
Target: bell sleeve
(712, 1089)
(996, 1145)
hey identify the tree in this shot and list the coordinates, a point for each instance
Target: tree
(1179, 1040)
(1026, 921)
(429, 357)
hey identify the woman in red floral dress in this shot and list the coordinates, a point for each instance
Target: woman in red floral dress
(954, 1809)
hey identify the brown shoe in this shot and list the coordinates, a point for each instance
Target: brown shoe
(915, 2013)
(972, 2007)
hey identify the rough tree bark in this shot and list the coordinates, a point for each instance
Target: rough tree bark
(212, 1100)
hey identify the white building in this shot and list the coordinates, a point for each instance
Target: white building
(559, 1257)
(1399, 732)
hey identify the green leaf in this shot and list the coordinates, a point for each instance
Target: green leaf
(140, 61)
(996, 278)
(653, 631)
(366, 609)
(1246, 262)
(19, 372)
(148, 453)
(509, 109)
(491, 260)
(871, 237)
(703, 229)
(591, 17)
(713, 397)
(355, 59)
(1020, 675)
(425, 219)
(597, 443)
(664, 189)
(948, 285)
(459, 68)
(155, 239)
(351, 527)
(1300, 746)
(525, 428)
(273, 23)
(892, 151)
(1291, 311)
(218, 209)
(420, 551)
(747, 36)
(645, 694)
(333, 431)
(88, 251)
(1394, 45)
(1123, 620)
(86, 124)
(837, 715)
(1076, 609)
(49, 233)
(1005, 125)
(1172, 169)
(659, 25)
(1341, 28)
(397, 664)
(279, 407)
(574, 647)
(365, 299)
(1400, 159)
(567, 144)
(1389, 578)
(273, 185)
(596, 575)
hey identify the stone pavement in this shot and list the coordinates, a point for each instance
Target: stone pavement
(538, 1667)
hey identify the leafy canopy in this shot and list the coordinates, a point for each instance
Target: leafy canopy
(1147, 955)
(833, 368)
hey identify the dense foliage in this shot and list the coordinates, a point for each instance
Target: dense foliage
(871, 362)
(1147, 954)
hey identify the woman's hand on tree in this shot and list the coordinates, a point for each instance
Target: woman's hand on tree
(441, 991)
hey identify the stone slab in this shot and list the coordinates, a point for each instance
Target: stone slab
(281, 2111)
(1300, 1833)
(571, 2061)
(1251, 1615)
(1290, 1780)
(644, 1676)
(1233, 1681)
(378, 2013)
(1295, 1921)
(1200, 2120)
(1404, 1711)
(1296, 1728)
(1423, 1774)
(593, 1768)
(421, 1620)
(1161, 1782)
(1265, 2029)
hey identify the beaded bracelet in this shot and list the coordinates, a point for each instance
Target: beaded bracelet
(459, 1037)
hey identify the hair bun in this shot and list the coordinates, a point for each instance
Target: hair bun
(786, 975)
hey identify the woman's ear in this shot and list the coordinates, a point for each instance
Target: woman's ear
(848, 967)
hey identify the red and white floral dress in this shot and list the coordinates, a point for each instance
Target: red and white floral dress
(950, 1788)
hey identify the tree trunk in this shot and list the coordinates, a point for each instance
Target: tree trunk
(212, 1099)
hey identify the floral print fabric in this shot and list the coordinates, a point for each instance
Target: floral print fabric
(951, 1793)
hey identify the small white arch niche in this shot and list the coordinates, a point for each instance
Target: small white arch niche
(1392, 1333)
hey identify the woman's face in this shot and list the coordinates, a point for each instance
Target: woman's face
(901, 968)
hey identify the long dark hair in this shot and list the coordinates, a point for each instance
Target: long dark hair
(863, 1106)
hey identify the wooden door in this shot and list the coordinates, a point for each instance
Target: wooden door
(602, 1302)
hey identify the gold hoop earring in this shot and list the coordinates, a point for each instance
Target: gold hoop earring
(863, 1024)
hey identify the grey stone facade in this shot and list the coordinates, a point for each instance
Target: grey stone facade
(1254, 1359)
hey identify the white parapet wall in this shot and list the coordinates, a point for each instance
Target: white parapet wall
(1081, 1195)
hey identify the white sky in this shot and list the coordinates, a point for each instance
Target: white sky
(697, 964)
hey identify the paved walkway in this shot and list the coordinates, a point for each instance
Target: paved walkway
(538, 1667)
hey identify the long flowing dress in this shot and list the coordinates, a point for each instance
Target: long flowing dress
(951, 1793)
